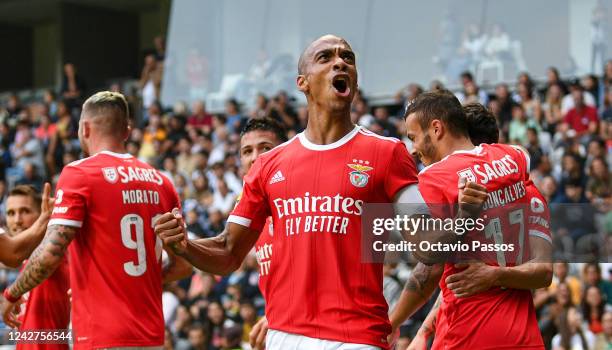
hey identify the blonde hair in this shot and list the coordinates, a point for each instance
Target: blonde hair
(109, 111)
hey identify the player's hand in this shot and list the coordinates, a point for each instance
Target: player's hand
(170, 228)
(476, 278)
(393, 337)
(10, 311)
(46, 205)
(472, 197)
(419, 342)
(257, 336)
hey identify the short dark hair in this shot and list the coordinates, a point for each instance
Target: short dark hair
(27, 191)
(441, 105)
(467, 75)
(265, 124)
(482, 124)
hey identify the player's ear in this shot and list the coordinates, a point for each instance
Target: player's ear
(86, 128)
(127, 132)
(302, 83)
(437, 127)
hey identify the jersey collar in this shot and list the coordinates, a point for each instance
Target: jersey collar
(117, 155)
(315, 147)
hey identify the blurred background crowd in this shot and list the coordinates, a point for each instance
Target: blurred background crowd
(566, 125)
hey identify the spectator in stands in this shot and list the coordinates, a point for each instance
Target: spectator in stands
(582, 118)
(590, 85)
(282, 111)
(361, 113)
(13, 106)
(200, 119)
(217, 321)
(196, 339)
(533, 147)
(159, 42)
(73, 87)
(234, 118)
(591, 274)
(561, 275)
(502, 95)
(572, 334)
(606, 114)
(604, 339)
(381, 117)
(517, 131)
(232, 338)
(552, 109)
(552, 310)
(154, 132)
(471, 88)
(541, 171)
(27, 149)
(50, 100)
(408, 93)
(149, 83)
(599, 184)
(593, 307)
(574, 217)
(261, 107)
(176, 132)
(530, 103)
(569, 101)
(224, 199)
(553, 78)
(30, 177)
(571, 170)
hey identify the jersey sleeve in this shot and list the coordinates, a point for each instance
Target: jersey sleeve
(524, 158)
(433, 192)
(70, 198)
(538, 220)
(252, 210)
(401, 171)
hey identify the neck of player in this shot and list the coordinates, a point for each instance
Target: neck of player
(455, 144)
(107, 145)
(326, 127)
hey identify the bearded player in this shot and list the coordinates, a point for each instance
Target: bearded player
(476, 298)
(106, 206)
(320, 294)
(15, 248)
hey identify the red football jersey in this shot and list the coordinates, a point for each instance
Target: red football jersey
(47, 307)
(318, 286)
(497, 318)
(115, 267)
(263, 252)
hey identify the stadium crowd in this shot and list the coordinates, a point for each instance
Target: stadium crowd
(565, 125)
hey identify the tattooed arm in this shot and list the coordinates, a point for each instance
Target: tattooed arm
(43, 262)
(418, 289)
(428, 328)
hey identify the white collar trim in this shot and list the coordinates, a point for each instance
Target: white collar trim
(315, 147)
(118, 155)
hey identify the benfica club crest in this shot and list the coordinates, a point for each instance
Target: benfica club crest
(359, 176)
(468, 174)
(110, 174)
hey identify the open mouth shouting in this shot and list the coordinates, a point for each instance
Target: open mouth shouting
(341, 85)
